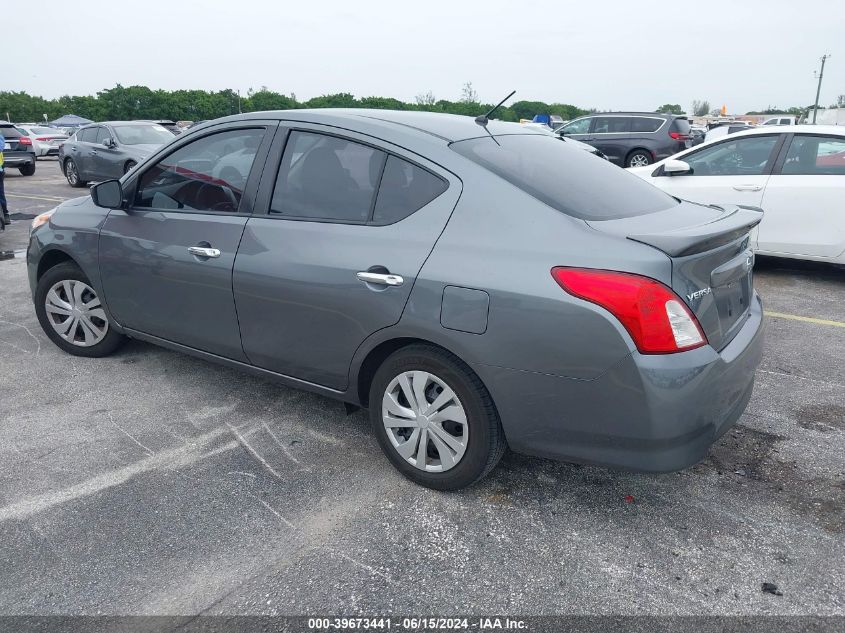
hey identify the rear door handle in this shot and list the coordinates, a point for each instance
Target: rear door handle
(201, 251)
(381, 279)
(747, 187)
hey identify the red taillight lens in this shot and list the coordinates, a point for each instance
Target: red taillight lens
(24, 140)
(655, 317)
(678, 136)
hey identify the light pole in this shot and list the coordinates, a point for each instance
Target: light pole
(819, 89)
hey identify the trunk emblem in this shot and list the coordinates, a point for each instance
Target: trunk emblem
(698, 294)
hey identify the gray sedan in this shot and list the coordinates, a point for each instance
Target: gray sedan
(474, 284)
(108, 150)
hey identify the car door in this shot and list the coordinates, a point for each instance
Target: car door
(805, 199)
(733, 171)
(105, 162)
(347, 224)
(166, 260)
(611, 135)
(81, 151)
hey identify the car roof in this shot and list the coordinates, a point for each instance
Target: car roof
(793, 129)
(664, 115)
(118, 123)
(447, 127)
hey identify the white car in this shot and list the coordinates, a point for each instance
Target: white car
(795, 173)
(45, 140)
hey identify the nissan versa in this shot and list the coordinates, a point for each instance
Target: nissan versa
(474, 284)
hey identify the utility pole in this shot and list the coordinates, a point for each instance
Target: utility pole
(819, 89)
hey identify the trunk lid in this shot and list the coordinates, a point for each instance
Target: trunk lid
(712, 261)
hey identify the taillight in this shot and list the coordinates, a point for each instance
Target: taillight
(24, 140)
(655, 317)
(678, 136)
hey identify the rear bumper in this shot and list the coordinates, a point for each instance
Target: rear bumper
(18, 159)
(656, 413)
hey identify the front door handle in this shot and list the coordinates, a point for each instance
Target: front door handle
(201, 251)
(382, 279)
(747, 187)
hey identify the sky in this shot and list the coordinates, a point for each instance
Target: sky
(608, 55)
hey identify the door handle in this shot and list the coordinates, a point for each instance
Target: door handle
(747, 187)
(201, 251)
(382, 279)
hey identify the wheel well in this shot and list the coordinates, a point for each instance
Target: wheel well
(377, 356)
(639, 149)
(50, 259)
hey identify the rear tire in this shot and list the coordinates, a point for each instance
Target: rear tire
(64, 293)
(28, 170)
(639, 158)
(72, 174)
(472, 447)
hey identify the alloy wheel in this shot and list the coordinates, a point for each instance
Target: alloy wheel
(639, 160)
(71, 173)
(425, 421)
(75, 313)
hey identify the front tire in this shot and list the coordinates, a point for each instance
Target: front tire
(639, 158)
(28, 170)
(435, 419)
(71, 314)
(72, 174)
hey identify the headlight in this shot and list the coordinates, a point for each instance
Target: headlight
(41, 219)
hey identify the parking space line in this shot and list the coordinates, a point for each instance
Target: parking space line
(48, 198)
(795, 317)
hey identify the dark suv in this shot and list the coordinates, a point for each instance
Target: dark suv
(17, 150)
(632, 139)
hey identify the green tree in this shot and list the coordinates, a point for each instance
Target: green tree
(670, 108)
(700, 108)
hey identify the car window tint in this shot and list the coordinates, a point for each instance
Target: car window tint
(643, 124)
(328, 178)
(405, 188)
(208, 174)
(581, 126)
(745, 156)
(611, 124)
(10, 132)
(565, 177)
(88, 135)
(816, 155)
(102, 134)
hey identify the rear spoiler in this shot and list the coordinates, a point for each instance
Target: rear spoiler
(734, 222)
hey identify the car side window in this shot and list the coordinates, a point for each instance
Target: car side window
(88, 135)
(326, 178)
(102, 135)
(645, 124)
(815, 156)
(745, 156)
(404, 189)
(612, 125)
(581, 126)
(208, 174)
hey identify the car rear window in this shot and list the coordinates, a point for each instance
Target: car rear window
(9, 131)
(680, 125)
(566, 178)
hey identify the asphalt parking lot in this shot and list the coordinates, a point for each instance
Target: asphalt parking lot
(154, 483)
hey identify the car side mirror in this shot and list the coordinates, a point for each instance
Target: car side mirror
(676, 168)
(109, 142)
(108, 194)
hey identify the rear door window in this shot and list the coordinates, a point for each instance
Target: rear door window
(88, 135)
(815, 156)
(612, 125)
(404, 189)
(327, 178)
(564, 177)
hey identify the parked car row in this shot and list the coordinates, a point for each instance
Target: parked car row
(795, 173)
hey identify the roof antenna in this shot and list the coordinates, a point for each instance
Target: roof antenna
(484, 119)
